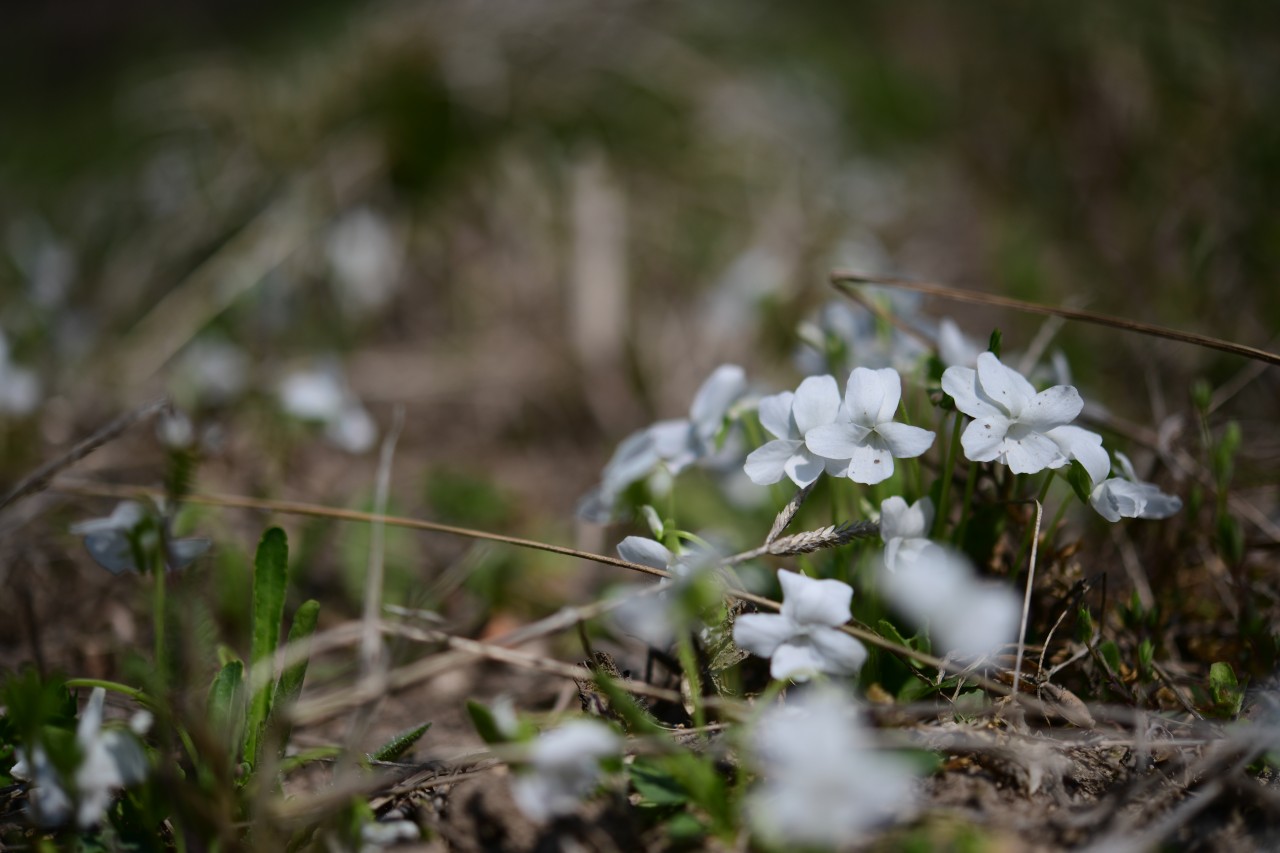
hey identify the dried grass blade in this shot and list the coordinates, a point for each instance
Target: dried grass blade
(787, 514)
(845, 280)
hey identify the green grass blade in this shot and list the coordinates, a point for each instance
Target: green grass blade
(270, 575)
(289, 687)
(225, 697)
(400, 744)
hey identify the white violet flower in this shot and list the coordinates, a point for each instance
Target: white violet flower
(905, 529)
(564, 766)
(954, 347)
(823, 781)
(865, 432)
(965, 615)
(321, 395)
(789, 417)
(1011, 421)
(805, 637)
(1128, 497)
(655, 617)
(674, 444)
(110, 760)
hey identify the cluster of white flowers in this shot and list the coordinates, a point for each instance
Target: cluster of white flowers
(816, 431)
(110, 760)
(824, 782)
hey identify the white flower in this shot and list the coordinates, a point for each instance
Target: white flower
(965, 616)
(904, 529)
(865, 432)
(823, 782)
(1129, 497)
(564, 766)
(954, 348)
(216, 371)
(655, 619)
(789, 417)
(1011, 420)
(110, 540)
(19, 387)
(365, 255)
(110, 760)
(321, 395)
(843, 335)
(673, 444)
(805, 637)
(1080, 444)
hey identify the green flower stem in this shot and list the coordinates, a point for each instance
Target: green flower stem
(139, 696)
(948, 474)
(158, 615)
(971, 481)
(689, 663)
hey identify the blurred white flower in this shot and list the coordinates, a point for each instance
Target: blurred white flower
(904, 529)
(939, 589)
(805, 637)
(865, 432)
(1128, 497)
(672, 444)
(365, 256)
(377, 834)
(110, 540)
(215, 370)
(19, 387)
(564, 766)
(843, 335)
(954, 347)
(1011, 420)
(823, 781)
(789, 417)
(655, 619)
(110, 760)
(321, 395)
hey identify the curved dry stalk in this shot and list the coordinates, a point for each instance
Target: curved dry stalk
(846, 280)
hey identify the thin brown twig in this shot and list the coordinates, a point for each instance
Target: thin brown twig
(42, 475)
(845, 280)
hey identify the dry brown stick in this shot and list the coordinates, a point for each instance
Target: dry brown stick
(845, 280)
(42, 475)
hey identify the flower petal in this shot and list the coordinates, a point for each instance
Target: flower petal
(841, 654)
(722, 389)
(775, 414)
(795, 659)
(954, 348)
(983, 440)
(674, 442)
(836, 441)
(817, 402)
(891, 382)
(961, 384)
(1004, 385)
(766, 465)
(899, 520)
(646, 552)
(806, 601)
(905, 442)
(1081, 444)
(864, 396)
(803, 467)
(1027, 452)
(872, 462)
(762, 633)
(1052, 407)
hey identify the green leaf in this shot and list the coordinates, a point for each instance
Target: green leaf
(486, 725)
(1230, 536)
(1224, 689)
(655, 785)
(635, 719)
(225, 702)
(1081, 482)
(289, 687)
(270, 576)
(1110, 654)
(399, 745)
(993, 344)
(1146, 655)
